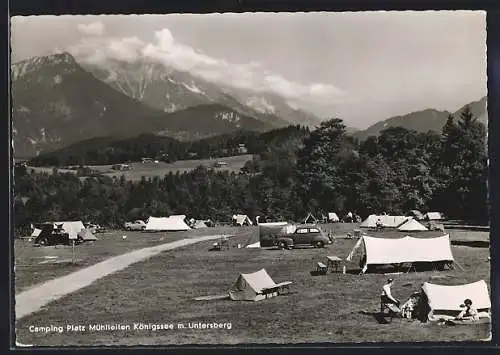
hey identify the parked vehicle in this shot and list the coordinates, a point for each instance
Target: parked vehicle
(95, 228)
(49, 235)
(137, 225)
(289, 236)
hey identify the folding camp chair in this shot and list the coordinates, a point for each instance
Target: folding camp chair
(393, 311)
(321, 268)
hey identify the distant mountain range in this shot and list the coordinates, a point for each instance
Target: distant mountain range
(426, 120)
(56, 102)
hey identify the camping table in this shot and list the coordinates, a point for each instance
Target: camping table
(334, 261)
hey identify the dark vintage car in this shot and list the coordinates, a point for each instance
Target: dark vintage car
(50, 235)
(286, 238)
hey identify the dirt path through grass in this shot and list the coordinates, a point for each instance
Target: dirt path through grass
(32, 300)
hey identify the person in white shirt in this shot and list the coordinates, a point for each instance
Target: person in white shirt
(386, 295)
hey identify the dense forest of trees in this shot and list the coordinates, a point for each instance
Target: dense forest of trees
(294, 171)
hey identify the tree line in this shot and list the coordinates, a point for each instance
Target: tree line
(109, 150)
(295, 172)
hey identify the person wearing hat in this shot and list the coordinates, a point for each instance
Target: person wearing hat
(468, 312)
(386, 295)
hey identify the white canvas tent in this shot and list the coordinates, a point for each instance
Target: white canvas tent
(254, 245)
(332, 217)
(412, 226)
(242, 220)
(433, 216)
(71, 227)
(87, 235)
(36, 232)
(387, 221)
(384, 251)
(310, 219)
(199, 224)
(171, 223)
(444, 301)
(254, 287)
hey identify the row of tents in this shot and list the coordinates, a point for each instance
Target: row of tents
(402, 223)
(74, 229)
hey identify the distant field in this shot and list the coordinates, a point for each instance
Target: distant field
(331, 308)
(138, 169)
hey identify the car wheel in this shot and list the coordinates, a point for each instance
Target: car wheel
(320, 244)
(43, 241)
(282, 245)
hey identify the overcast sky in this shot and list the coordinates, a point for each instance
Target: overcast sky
(362, 67)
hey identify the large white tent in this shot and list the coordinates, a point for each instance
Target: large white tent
(387, 221)
(384, 251)
(171, 223)
(70, 227)
(412, 226)
(444, 301)
(254, 287)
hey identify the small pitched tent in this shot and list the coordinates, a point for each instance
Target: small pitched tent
(169, 224)
(36, 232)
(385, 251)
(254, 245)
(411, 226)
(310, 219)
(433, 216)
(87, 235)
(254, 287)
(70, 227)
(242, 220)
(387, 221)
(332, 217)
(199, 224)
(444, 301)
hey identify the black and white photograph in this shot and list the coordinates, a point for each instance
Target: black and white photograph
(250, 178)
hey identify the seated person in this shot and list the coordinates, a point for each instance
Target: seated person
(409, 307)
(469, 312)
(386, 296)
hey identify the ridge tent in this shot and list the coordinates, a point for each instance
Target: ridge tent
(387, 221)
(170, 224)
(385, 251)
(70, 227)
(310, 219)
(87, 235)
(242, 220)
(444, 301)
(411, 226)
(255, 287)
(332, 217)
(433, 216)
(254, 245)
(199, 224)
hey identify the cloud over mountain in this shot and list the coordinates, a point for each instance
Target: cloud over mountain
(167, 50)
